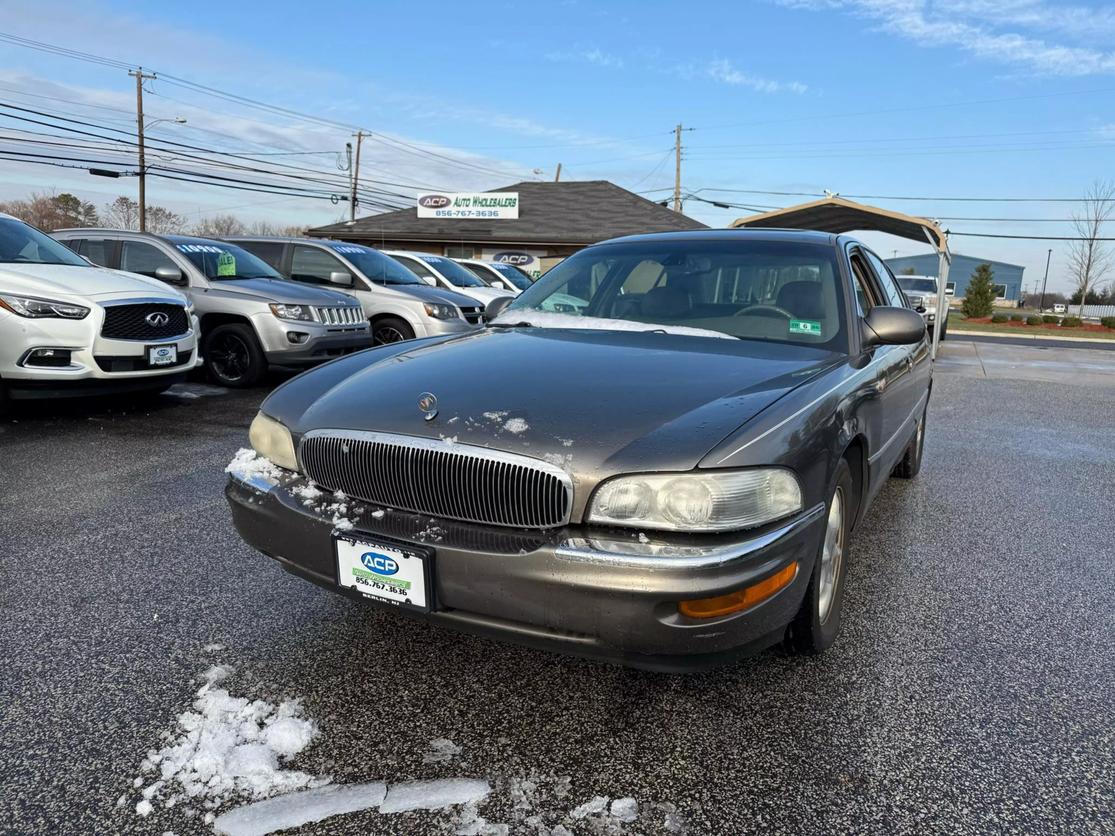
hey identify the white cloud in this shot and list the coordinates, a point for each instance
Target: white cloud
(593, 55)
(724, 71)
(1012, 32)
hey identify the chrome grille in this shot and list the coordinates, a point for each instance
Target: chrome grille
(472, 315)
(348, 315)
(453, 481)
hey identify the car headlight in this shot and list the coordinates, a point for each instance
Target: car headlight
(439, 311)
(35, 308)
(700, 501)
(298, 313)
(272, 440)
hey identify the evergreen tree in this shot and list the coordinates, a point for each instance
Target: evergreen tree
(979, 298)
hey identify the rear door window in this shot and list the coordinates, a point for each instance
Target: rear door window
(142, 258)
(313, 265)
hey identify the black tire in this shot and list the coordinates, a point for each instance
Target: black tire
(233, 357)
(910, 464)
(815, 627)
(391, 329)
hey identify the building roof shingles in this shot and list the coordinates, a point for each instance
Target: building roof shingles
(576, 213)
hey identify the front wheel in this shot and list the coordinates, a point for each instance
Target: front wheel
(233, 357)
(391, 329)
(817, 623)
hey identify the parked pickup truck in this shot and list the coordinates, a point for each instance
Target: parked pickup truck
(250, 316)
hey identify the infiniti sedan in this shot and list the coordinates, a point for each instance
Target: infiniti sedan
(666, 474)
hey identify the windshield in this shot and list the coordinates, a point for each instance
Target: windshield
(220, 261)
(512, 274)
(375, 266)
(454, 272)
(23, 244)
(918, 285)
(779, 291)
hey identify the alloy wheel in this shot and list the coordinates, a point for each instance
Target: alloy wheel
(388, 334)
(229, 357)
(832, 556)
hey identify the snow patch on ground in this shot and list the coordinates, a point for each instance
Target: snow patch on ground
(440, 750)
(299, 808)
(213, 647)
(248, 463)
(225, 747)
(434, 795)
(550, 319)
(516, 426)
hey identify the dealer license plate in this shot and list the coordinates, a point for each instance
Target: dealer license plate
(162, 355)
(386, 572)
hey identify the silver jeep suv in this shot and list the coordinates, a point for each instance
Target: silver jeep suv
(250, 316)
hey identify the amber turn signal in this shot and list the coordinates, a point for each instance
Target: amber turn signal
(741, 599)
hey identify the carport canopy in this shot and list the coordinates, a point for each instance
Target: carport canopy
(836, 214)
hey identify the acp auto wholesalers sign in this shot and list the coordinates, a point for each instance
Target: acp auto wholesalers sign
(487, 205)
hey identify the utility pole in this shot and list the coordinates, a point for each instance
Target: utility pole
(1048, 256)
(557, 177)
(677, 168)
(140, 76)
(355, 175)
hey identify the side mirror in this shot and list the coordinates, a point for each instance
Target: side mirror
(341, 277)
(170, 275)
(496, 307)
(499, 285)
(892, 326)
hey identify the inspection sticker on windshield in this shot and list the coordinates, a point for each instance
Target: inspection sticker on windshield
(226, 264)
(382, 571)
(805, 326)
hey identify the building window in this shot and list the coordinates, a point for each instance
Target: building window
(460, 252)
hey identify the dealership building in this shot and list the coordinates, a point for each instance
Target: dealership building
(1007, 276)
(549, 222)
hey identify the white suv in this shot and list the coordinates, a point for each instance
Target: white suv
(68, 327)
(440, 271)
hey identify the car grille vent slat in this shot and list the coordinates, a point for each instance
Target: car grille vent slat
(129, 322)
(454, 482)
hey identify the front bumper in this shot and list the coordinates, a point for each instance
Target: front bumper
(291, 343)
(575, 590)
(427, 326)
(96, 365)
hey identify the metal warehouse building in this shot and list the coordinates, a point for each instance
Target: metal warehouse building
(1007, 275)
(554, 221)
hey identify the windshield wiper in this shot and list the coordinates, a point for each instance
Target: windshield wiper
(511, 324)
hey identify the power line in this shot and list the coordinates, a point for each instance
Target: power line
(900, 197)
(1026, 237)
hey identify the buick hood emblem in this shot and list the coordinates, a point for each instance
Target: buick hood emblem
(427, 402)
(157, 319)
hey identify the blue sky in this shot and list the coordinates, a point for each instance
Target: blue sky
(960, 98)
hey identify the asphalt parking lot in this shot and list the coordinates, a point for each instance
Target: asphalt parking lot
(972, 690)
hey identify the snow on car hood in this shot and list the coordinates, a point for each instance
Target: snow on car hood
(595, 402)
(87, 282)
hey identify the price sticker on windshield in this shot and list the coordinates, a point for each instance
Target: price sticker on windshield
(805, 326)
(226, 264)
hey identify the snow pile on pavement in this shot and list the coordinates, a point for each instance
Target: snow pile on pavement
(440, 750)
(306, 806)
(248, 463)
(227, 746)
(551, 319)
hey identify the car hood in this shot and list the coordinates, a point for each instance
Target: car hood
(595, 402)
(433, 294)
(86, 282)
(483, 294)
(279, 290)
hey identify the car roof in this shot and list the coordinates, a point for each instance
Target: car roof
(174, 239)
(290, 239)
(804, 236)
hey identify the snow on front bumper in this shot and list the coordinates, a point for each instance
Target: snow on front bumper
(575, 589)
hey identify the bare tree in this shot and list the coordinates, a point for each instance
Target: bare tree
(122, 213)
(162, 221)
(219, 226)
(268, 228)
(50, 212)
(1090, 257)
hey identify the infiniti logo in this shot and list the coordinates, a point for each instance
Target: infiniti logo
(157, 319)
